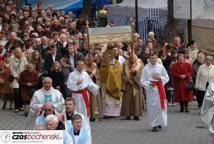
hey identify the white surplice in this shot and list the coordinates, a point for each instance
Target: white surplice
(207, 110)
(156, 115)
(85, 125)
(86, 84)
(40, 97)
(85, 121)
(67, 139)
(84, 136)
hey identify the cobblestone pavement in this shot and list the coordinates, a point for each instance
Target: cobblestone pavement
(182, 128)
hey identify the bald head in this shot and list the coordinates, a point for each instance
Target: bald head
(48, 108)
(49, 105)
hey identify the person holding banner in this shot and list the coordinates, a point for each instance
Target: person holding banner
(79, 82)
(133, 101)
(153, 79)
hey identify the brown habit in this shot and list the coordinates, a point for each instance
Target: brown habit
(133, 101)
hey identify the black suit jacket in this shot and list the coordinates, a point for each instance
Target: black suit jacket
(49, 61)
(63, 50)
(41, 49)
(77, 56)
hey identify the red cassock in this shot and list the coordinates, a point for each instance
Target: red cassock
(180, 91)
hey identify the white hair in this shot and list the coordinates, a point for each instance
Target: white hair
(151, 33)
(44, 37)
(209, 57)
(46, 79)
(51, 118)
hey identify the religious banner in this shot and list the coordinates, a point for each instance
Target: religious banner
(105, 35)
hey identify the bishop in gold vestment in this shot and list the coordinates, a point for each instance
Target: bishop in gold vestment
(110, 79)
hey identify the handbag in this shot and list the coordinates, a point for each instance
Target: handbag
(190, 85)
(11, 78)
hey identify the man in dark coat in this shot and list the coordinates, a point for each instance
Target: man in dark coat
(73, 54)
(51, 58)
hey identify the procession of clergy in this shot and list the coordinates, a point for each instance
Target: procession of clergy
(49, 110)
(50, 70)
(120, 80)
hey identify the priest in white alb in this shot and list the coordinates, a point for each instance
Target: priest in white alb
(43, 96)
(153, 79)
(207, 111)
(79, 82)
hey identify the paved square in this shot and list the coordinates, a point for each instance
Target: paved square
(182, 128)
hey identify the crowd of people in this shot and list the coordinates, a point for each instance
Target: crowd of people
(49, 70)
